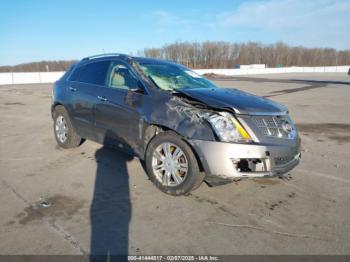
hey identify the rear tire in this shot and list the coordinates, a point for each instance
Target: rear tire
(65, 135)
(175, 172)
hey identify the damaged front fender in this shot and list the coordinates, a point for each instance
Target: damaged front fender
(183, 118)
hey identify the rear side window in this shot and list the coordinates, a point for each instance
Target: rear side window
(93, 73)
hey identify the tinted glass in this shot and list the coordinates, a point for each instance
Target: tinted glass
(75, 75)
(94, 73)
(67, 73)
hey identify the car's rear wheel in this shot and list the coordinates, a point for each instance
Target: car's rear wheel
(65, 134)
(171, 164)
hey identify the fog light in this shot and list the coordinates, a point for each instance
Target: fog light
(249, 164)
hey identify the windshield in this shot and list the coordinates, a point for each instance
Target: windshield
(172, 77)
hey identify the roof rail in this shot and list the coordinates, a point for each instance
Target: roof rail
(102, 55)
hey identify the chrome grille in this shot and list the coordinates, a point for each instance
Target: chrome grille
(275, 126)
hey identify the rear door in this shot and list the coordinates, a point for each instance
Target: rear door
(83, 89)
(118, 114)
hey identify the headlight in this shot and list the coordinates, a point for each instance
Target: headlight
(226, 127)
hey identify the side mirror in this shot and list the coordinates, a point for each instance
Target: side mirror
(138, 88)
(118, 67)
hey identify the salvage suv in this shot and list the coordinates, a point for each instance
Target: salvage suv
(184, 128)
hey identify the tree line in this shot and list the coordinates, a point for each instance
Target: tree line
(42, 66)
(211, 54)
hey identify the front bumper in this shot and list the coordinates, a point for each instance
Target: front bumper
(227, 161)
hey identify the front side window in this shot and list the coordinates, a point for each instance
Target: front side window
(171, 77)
(121, 77)
(94, 73)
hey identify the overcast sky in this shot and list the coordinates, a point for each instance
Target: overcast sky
(33, 30)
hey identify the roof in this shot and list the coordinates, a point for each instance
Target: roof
(141, 60)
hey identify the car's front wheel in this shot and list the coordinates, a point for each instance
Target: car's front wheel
(171, 164)
(65, 134)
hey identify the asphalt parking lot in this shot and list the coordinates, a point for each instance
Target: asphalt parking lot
(55, 201)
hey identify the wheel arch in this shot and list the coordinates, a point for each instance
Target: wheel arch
(54, 105)
(152, 130)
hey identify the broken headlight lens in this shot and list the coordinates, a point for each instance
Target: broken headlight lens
(226, 127)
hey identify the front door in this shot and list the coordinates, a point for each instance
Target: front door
(118, 114)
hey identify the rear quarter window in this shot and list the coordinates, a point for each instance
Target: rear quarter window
(75, 74)
(67, 73)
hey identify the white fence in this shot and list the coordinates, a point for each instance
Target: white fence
(29, 78)
(50, 77)
(294, 69)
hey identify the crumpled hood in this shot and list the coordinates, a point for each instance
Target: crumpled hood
(241, 102)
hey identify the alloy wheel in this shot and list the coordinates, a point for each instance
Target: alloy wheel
(169, 164)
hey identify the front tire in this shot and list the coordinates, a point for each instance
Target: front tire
(65, 134)
(172, 165)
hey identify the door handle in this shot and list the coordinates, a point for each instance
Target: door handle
(102, 98)
(72, 89)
